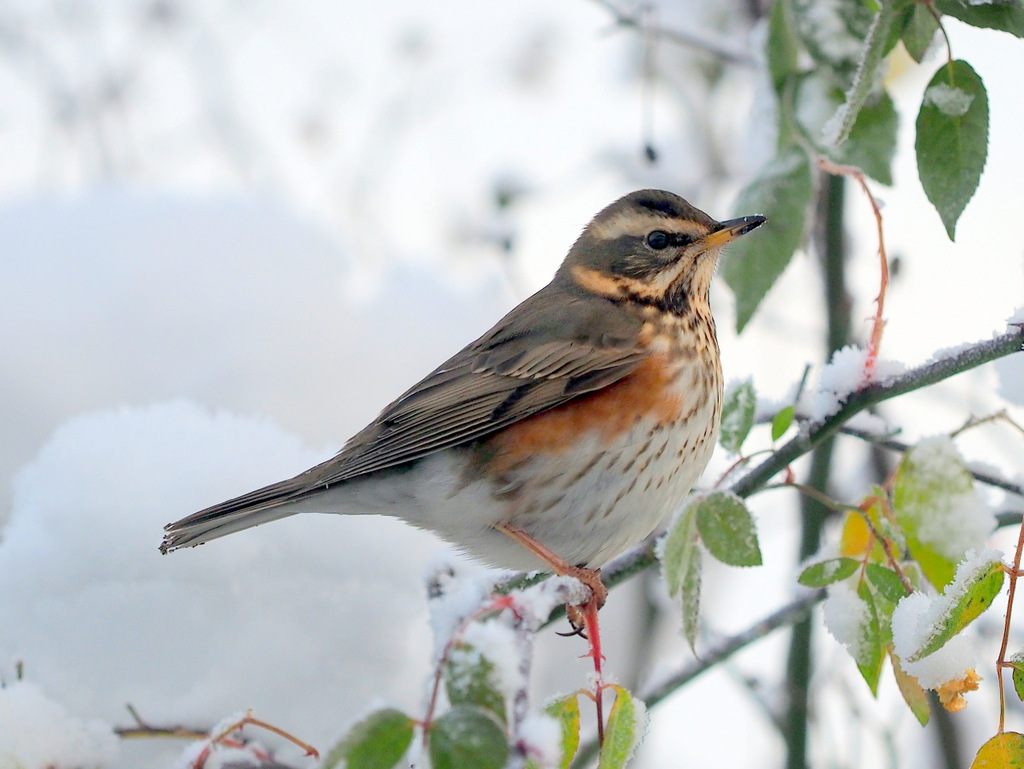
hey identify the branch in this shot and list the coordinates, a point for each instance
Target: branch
(887, 442)
(703, 43)
(930, 373)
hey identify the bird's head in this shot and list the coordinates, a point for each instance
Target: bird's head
(652, 247)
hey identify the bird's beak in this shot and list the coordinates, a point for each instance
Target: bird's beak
(728, 231)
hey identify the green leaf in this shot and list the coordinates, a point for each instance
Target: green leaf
(737, 416)
(680, 564)
(782, 421)
(870, 651)
(782, 193)
(567, 711)
(376, 742)
(919, 31)
(1016, 663)
(690, 595)
(1004, 16)
(913, 693)
(887, 582)
(871, 145)
(680, 548)
(965, 601)
(876, 45)
(782, 48)
(472, 679)
(727, 529)
(952, 140)
(937, 509)
(825, 573)
(626, 724)
(467, 737)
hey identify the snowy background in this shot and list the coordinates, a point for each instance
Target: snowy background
(231, 232)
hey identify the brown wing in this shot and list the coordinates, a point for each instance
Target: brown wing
(553, 347)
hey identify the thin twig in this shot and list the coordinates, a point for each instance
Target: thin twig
(703, 43)
(875, 340)
(1001, 660)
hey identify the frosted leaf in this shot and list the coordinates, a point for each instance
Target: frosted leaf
(496, 642)
(540, 739)
(956, 520)
(845, 618)
(918, 618)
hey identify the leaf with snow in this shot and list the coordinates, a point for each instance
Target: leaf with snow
(473, 679)
(952, 140)
(567, 712)
(977, 584)
(825, 573)
(737, 415)
(727, 529)
(833, 32)
(1004, 751)
(782, 193)
(852, 619)
(378, 741)
(627, 724)
(937, 508)
(871, 144)
(876, 45)
(467, 737)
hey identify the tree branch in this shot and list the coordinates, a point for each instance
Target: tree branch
(915, 379)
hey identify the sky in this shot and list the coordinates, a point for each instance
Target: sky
(231, 233)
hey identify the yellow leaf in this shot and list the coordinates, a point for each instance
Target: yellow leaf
(1004, 751)
(855, 537)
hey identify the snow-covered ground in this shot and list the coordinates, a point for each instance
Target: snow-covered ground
(196, 302)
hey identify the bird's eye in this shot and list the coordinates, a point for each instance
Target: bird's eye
(658, 240)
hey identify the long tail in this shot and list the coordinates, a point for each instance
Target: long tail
(278, 500)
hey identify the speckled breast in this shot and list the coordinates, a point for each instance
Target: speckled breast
(594, 476)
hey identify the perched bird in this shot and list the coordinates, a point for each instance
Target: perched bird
(561, 437)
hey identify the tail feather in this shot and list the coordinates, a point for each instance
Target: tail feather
(261, 506)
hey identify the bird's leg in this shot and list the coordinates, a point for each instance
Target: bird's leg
(589, 577)
(582, 618)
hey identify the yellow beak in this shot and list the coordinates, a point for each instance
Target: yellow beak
(728, 231)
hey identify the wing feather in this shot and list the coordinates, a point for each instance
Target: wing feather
(537, 358)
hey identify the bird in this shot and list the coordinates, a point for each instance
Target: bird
(567, 433)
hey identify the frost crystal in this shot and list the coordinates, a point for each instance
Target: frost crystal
(949, 100)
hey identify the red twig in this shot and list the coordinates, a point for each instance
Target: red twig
(875, 340)
(1001, 663)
